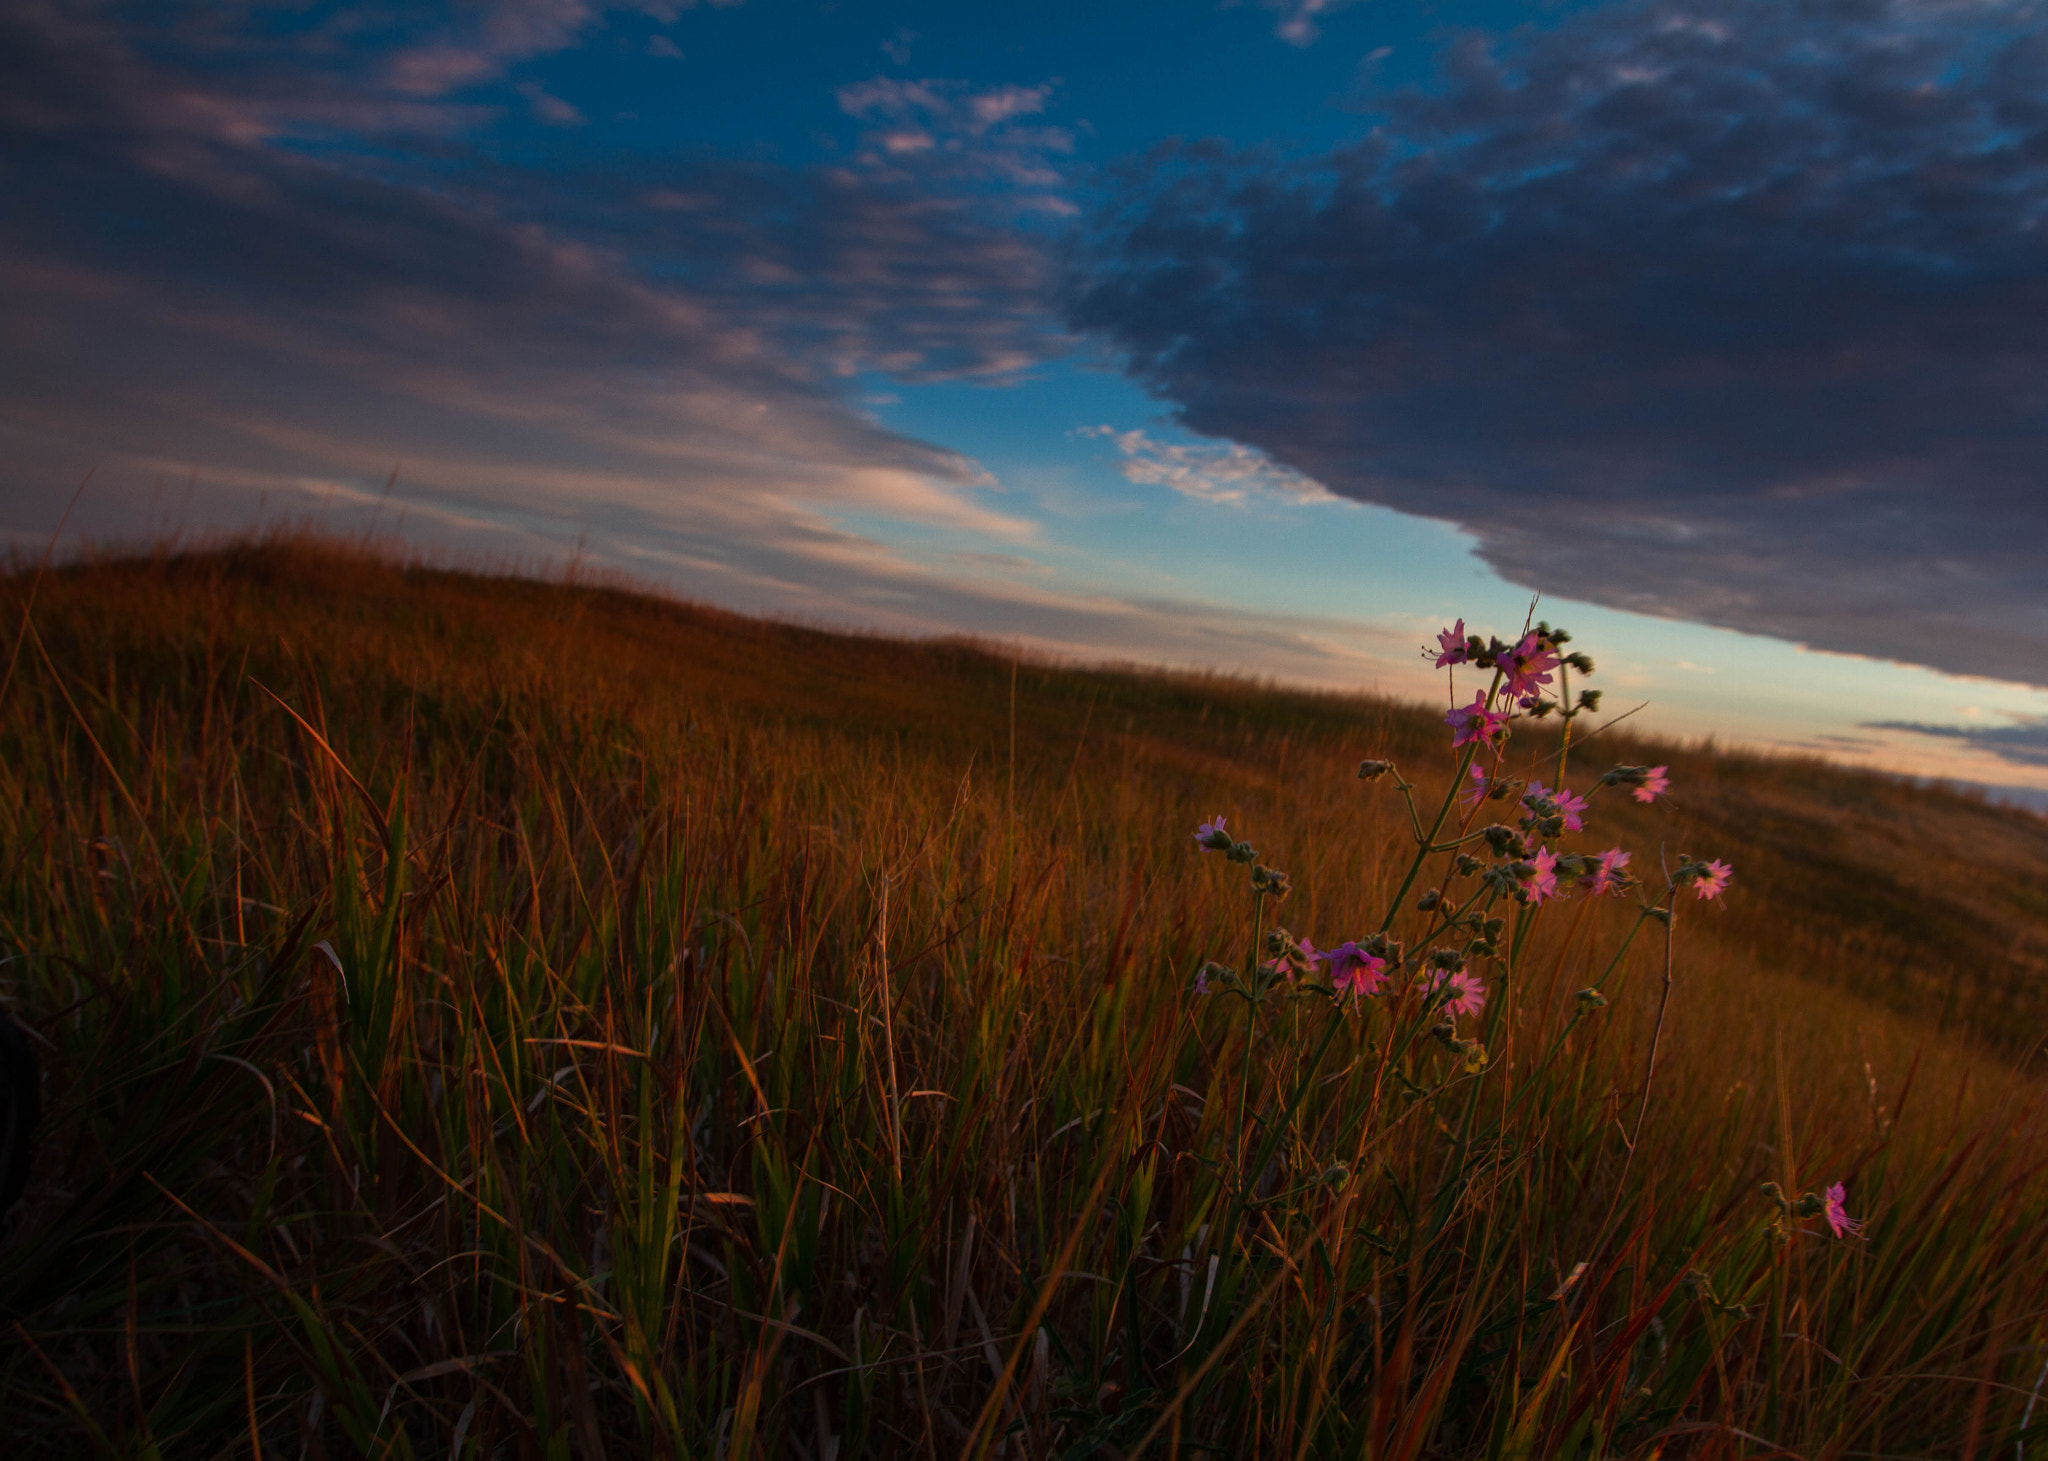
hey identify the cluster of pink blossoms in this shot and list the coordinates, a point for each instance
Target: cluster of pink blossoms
(1474, 722)
(1525, 665)
(1571, 808)
(1524, 867)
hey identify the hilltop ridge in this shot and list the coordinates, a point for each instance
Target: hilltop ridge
(1921, 899)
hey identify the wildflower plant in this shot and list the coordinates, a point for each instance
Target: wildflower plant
(578, 1069)
(1434, 985)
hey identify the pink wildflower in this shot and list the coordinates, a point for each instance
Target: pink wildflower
(1211, 837)
(1837, 1213)
(1452, 643)
(1354, 971)
(1467, 994)
(1714, 881)
(1571, 808)
(1608, 876)
(1528, 666)
(1655, 784)
(1542, 882)
(1474, 794)
(1475, 722)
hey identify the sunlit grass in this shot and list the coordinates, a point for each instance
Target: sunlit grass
(489, 1018)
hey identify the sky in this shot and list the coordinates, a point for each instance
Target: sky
(1262, 337)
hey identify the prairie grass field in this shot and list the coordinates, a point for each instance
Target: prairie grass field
(484, 1017)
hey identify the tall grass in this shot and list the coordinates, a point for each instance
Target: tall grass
(483, 1018)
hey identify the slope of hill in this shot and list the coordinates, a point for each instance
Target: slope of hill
(1920, 899)
(495, 1016)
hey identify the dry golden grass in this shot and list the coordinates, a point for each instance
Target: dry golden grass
(732, 1029)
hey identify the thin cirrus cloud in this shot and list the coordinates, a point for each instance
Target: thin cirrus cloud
(1726, 310)
(210, 268)
(1210, 472)
(1300, 20)
(2023, 741)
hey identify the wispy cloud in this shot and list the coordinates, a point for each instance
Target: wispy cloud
(1211, 471)
(948, 133)
(693, 324)
(1300, 20)
(1725, 311)
(2023, 742)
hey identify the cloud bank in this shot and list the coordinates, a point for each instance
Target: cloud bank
(2023, 742)
(1726, 310)
(282, 259)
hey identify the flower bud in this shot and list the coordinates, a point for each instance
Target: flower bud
(1431, 900)
(1445, 959)
(1589, 699)
(1493, 926)
(1242, 852)
(1373, 770)
(1466, 865)
(1583, 663)
(1504, 880)
(1591, 999)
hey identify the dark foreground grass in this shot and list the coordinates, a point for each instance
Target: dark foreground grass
(486, 1018)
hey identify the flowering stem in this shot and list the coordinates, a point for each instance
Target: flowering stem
(1407, 790)
(1577, 1015)
(1422, 853)
(1456, 918)
(1251, 1016)
(1564, 704)
(1663, 1003)
(1627, 939)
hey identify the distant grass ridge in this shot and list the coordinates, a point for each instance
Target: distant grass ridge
(492, 1017)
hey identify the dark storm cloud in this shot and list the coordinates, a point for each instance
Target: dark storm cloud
(264, 250)
(2024, 742)
(1731, 310)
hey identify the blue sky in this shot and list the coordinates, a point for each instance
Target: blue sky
(1264, 337)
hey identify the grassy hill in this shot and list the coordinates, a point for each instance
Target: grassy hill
(491, 1017)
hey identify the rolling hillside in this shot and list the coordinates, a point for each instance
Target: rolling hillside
(491, 1017)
